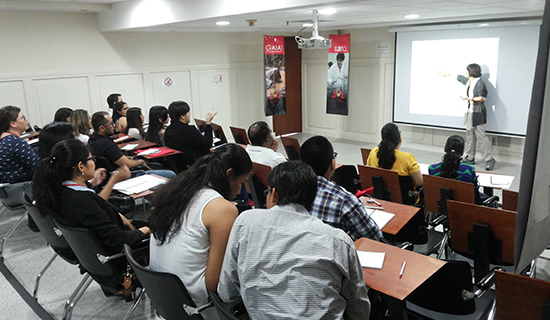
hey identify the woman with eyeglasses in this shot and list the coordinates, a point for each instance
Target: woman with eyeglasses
(60, 189)
(17, 158)
(388, 156)
(193, 217)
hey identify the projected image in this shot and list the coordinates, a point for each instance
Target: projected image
(432, 94)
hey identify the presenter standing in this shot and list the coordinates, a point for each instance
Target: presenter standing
(475, 118)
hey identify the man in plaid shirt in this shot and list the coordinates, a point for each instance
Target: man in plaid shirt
(333, 204)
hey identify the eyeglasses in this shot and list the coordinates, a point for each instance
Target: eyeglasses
(91, 158)
(267, 191)
(17, 119)
(334, 155)
(112, 123)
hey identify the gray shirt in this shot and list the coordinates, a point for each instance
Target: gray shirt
(287, 264)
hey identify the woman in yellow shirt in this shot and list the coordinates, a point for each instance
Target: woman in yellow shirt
(388, 156)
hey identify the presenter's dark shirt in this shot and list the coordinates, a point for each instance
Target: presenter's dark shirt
(189, 140)
(102, 146)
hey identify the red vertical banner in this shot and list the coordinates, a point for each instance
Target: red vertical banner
(338, 74)
(274, 79)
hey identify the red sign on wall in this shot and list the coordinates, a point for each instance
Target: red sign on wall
(340, 43)
(274, 45)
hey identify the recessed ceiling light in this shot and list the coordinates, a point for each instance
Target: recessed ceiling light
(307, 25)
(483, 24)
(327, 11)
(222, 23)
(412, 16)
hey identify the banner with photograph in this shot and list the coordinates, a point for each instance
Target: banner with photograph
(274, 79)
(338, 74)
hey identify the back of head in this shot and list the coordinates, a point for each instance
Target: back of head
(133, 117)
(386, 149)
(98, 120)
(53, 170)
(119, 106)
(112, 99)
(8, 114)
(80, 122)
(318, 153)
(52, 134)
(172, 201)
(177, 109)
(157, 115)
(295, 183)
(474, 70)
(62, 114)
(454, 147)
(258, 133)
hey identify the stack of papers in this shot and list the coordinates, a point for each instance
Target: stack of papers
(494, 180)
(117, 140)
(129, 146)
(148, 152)
(380, 217)
(138, 184)
(374, 260)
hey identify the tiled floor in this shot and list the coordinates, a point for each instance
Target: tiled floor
(26, 253)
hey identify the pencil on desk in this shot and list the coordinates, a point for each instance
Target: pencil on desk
(402, 269)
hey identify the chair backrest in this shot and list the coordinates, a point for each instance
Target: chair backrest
(222, 308)
(257, 183)
(292, 147)
(442, 292)
(519, 297)
(346, 177)
(390, 178)
(216, 128)
(10, 194)
(239, 135)
(166, 291)
(365, 155)
(86, 247)
(502, 223)
(50, 232)
(462, 191)
(510, 200)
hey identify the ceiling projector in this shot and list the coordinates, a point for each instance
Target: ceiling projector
(316, 41)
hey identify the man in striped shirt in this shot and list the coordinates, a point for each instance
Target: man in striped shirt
(286, 264)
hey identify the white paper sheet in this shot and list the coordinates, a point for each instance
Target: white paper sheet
(374, 260)
(494, 180)
(138, 184)
(129, 146)
(148, 152)
(380, 217)
(117, 140)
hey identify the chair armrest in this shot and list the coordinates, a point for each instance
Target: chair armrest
(104, 259)
(490, 201)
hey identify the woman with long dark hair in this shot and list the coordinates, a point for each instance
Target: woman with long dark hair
(388, 156)
(135, 119)
(158, 118)
(193, 217)
(451, 167)
(60, 189)
(119, 116)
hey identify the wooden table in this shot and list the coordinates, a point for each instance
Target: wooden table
(403, 214)
(146, 192)
(386, 280)
(174, 151)
(142, 144)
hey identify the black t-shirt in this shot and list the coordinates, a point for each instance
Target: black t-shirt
(102, 146)
(189, 140)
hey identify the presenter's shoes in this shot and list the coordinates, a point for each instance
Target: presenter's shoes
(469, 161)
(490, 165)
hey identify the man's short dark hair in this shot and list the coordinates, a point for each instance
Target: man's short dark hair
(295, 182)
(112, 99)
(474, 70)
(318, 153)
(258, 133)
(177, 109)
(98, 120)
(62, 114)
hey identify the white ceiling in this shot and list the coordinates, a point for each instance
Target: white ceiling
(350, 14)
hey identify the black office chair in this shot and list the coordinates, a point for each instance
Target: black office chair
(10, 196)
(227, 311)
(102, 268)
(166, 291)
(347, 178)
(53, 237)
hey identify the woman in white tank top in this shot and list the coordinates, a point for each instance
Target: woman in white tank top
(192, 220)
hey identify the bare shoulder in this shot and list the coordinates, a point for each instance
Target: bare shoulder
(219, 211)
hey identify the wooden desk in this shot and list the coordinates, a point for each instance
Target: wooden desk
(146, 192)
(403, 214)
(174, 151)
(519, 297)
(124, 138)
(142, 144)
(386, 280)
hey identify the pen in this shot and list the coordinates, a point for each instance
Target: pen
(372, 200)
(374, 208)
(402, 269)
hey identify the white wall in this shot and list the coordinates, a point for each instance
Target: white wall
(51, 60)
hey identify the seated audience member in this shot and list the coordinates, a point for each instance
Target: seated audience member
(184, 137)
(52, 134)
(119, 116)
(112, 99)
(333, 204)
(63, 115)
(263, 147)
(388, 156)
(135, 124)
(286, 264)
(101, 145)
(158, 118)
(192, 219)
(60, 190)
(17, 158)
(82, 124)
